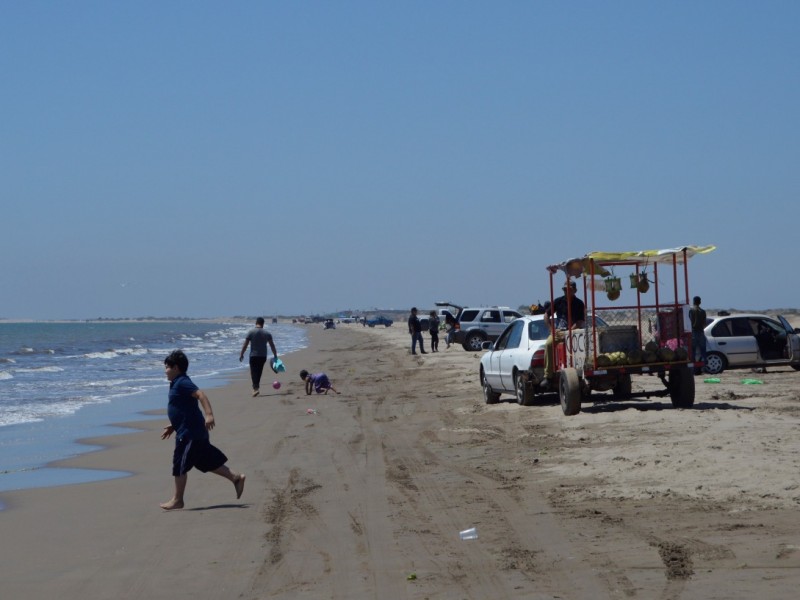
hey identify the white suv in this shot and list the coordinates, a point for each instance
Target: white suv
(478, 325)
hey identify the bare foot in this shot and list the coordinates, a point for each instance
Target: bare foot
(172, 504)
(239, 484)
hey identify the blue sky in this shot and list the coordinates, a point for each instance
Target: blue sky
(209, 159)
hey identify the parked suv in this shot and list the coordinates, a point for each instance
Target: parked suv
(477, 325)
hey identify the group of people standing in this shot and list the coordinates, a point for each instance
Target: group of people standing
(415, 329)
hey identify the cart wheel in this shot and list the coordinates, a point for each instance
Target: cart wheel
(569, 391)
(681, 387)
(623, 387)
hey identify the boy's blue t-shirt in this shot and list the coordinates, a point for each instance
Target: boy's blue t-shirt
(184, 411)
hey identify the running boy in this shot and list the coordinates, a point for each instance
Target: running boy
(318, 382)
(192, 445)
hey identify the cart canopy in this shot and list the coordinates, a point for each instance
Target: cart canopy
(575, 266)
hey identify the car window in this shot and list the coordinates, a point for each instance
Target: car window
(538, 330)
(502, 341)
(515, 333)
(741, 327)
(468, 315)
(767, 326)
(490, 316)
(510, 315)
(722, 329)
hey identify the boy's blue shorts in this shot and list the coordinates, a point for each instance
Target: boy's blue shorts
(199, 454)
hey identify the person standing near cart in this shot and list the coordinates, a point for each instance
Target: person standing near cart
(697, 317)
(564, 308)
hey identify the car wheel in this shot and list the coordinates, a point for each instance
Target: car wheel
(523, 390)
(489, 395)
(681, 387)
(474, 342)
(569, 391)
(715, 363)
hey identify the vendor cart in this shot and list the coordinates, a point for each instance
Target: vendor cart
(637, 323)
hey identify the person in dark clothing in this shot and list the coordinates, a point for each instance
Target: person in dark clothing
(697, 317)
(569, 312)
(433, 329)
(190, 425)
(415, 329)
(450, 324)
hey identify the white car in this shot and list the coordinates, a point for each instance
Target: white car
(514, 364)
(519, 350)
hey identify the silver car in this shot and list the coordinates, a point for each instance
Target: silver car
(750, 340)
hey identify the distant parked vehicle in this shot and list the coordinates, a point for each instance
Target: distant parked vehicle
(379, 320)
(478, 325)
(750, 341)
(329, 324)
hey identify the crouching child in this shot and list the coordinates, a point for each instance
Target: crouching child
(318, 382)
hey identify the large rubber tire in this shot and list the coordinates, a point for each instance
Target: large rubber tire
(715, 363)
(489, 395)
(523, 390)
(474, 342)
(623, 388)
(569, 391)
(681, 387)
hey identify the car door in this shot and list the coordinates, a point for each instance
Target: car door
(736, 339)
(514, 341)
(492, 372)
(793, 340)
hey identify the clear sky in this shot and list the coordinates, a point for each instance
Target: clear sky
(221, 158)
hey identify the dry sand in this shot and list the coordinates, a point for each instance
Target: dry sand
(366, 498)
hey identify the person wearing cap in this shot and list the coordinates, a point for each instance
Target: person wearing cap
(570, 313)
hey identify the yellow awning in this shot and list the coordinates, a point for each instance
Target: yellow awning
(652, 256)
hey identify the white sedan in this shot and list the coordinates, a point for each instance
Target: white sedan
(517, 352)
(514, 364)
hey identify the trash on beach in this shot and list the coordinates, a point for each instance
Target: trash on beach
(411, 576)
(711, 380)
(752, 381)
(469, 534)
(311, 411)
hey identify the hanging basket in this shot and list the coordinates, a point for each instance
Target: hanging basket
(613, 284)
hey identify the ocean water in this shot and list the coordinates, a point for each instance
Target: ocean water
(60, 382)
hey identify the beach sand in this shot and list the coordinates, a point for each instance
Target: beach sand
(366, 497)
